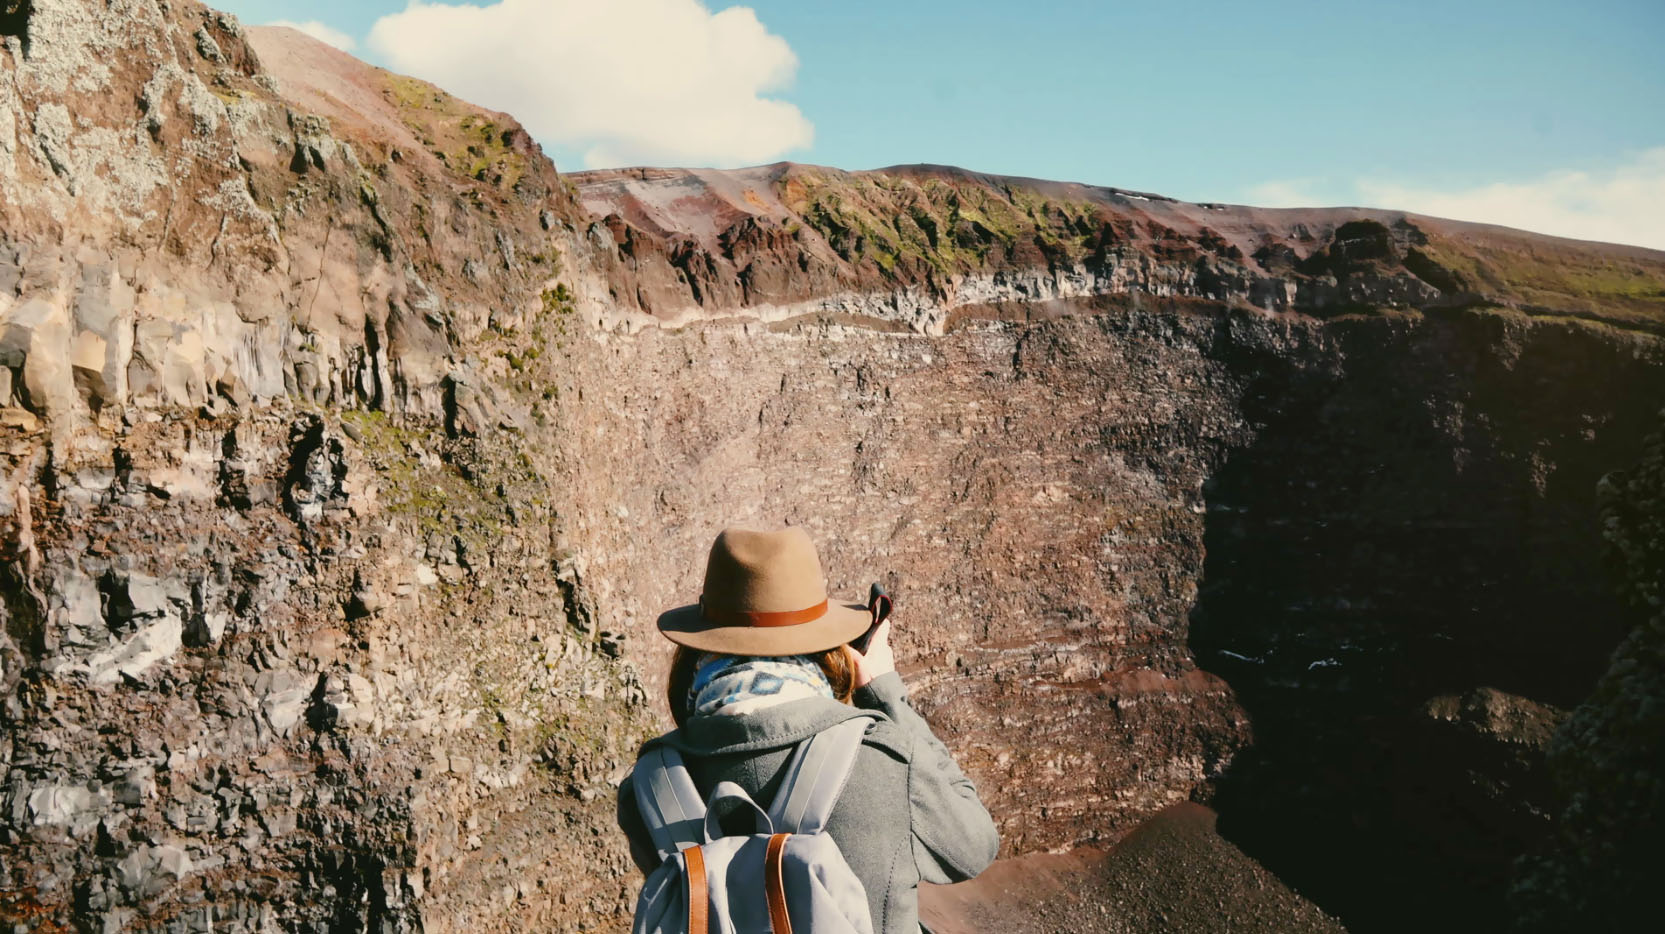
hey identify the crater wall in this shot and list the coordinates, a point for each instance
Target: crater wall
(1344, 575)
(347, 453)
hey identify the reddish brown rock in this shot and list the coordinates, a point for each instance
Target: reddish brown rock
(346, 458)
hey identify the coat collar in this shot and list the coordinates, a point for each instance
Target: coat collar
(770, 728)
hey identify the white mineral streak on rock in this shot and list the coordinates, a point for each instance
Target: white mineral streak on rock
(52, 132)
(23, 516)
(154, 94)
(151, 644)
(205, 109)
(8, 130)
(68, 41)
(927, 313)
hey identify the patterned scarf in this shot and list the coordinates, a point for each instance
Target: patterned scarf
(729, 685)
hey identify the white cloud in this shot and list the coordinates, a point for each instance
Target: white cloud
(626, 81)
(321, 32)
(1622, 204)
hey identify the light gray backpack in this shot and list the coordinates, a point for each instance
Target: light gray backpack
(788, 874)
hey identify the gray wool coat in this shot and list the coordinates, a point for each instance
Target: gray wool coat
(907, 815)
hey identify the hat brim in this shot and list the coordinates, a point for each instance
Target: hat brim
(842, 622)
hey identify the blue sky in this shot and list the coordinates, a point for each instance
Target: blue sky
(1463, 107)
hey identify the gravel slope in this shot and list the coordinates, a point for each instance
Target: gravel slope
(1172, 873)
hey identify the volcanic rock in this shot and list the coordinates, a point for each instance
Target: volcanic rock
(348, 453)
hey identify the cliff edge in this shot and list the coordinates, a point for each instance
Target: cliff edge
(927, 245)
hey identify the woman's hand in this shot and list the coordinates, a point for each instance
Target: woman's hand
(879, 658)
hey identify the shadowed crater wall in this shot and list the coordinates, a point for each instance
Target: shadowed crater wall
(1403, 585)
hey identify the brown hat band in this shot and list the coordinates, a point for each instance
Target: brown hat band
(749, 618)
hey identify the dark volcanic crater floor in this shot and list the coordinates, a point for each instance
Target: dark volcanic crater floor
(1172, 873)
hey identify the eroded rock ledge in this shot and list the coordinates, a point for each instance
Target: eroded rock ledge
(924, 245)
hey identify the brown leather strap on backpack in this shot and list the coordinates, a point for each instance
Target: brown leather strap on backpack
(699, 902)
(775, 884)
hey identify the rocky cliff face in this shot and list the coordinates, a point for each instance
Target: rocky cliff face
(1292, 508)
(1344, 576)
(291, 638)
(348, 453)
(928, 246)
(1605, 761)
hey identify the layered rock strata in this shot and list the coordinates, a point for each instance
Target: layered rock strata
(924, 246)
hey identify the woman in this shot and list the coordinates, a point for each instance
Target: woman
(763, 663)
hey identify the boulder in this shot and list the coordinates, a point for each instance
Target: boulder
(149, 870)
(74, 611)
(137, 785)
(205, 629)
(284, 697)
(73, 807)
(168, 364)
(103, 341)
(97, 382)
(132, 597)
(132, 657)
(35, 343)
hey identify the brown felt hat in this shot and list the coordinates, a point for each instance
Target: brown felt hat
(764, 595)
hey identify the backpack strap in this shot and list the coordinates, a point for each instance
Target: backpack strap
(696, 891)
(671, 806)
(774, 884)
(815, 777)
